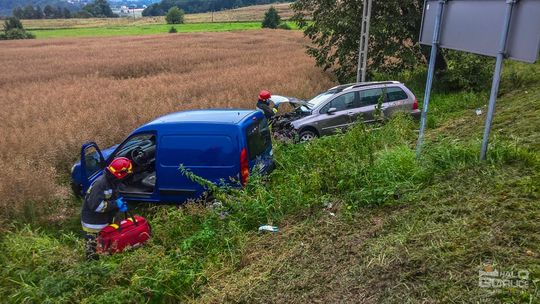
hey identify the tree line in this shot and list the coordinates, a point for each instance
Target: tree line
(199, 6)
(49, 12)
(96, 9)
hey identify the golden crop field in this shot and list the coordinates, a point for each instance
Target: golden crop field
(249, 13)
(58, 93)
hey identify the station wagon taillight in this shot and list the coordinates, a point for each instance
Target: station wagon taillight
(415, 104)
(244, 166)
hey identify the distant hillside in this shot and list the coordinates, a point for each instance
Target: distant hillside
(202, 6)
(244, 14)
(7, 6)
(247, 13)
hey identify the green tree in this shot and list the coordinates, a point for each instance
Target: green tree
(335, 33)
(12, 23)
(175, 16)
(99, 9)
(18, 12)
(66, 13)
(29, 12)
(335, 27)
(38, 13)
(13, 29)
(49, 12)
(271, 18)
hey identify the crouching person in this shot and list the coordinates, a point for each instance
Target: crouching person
(102, 202)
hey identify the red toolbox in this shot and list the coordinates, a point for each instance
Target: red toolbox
(131, 232)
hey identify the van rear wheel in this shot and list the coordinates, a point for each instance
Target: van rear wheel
(307, 135)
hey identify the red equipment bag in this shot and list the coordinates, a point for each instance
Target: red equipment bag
(130, 232)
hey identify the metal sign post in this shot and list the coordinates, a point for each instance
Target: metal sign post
(364, 42)
(431, 72)
(496, 78)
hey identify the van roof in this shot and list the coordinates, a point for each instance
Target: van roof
(223, 116)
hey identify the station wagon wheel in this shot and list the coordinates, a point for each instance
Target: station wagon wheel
(307, 135)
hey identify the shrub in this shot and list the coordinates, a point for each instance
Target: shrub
(83, 14)
(17, 34)
(173, 30)
(175, 16)
(466, 71)
(284, 26)
(13, 29)
(271, 19)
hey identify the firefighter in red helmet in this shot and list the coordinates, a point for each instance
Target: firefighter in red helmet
(102, 202)
(264, 104)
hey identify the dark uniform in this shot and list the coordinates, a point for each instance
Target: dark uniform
(99, 209)
(265, 107)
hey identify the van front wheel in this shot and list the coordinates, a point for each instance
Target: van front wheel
(307, 135)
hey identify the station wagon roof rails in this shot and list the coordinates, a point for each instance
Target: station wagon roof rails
(349, 86)
(366, 84)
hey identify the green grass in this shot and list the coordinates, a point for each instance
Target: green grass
(136, 30)
(360, 220)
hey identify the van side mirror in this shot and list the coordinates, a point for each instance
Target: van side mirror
(331, 111)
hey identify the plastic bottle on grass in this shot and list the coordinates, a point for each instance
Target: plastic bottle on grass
(268, 228)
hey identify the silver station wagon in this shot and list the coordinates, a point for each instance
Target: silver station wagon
(341, 106)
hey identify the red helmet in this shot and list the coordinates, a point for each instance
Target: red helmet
(264, 95)
(120, 167)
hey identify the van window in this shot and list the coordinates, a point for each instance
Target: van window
(145, 141)
(197, 150)
(395, 93)
(258, 138)
(92, 161)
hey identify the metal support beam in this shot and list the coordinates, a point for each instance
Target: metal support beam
(431, 72)
(364, 42)
(496, 77)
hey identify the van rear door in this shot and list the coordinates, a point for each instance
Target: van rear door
(259, 146)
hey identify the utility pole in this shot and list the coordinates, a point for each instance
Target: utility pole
(364, 42)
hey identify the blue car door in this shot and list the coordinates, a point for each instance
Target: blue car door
(92, 164)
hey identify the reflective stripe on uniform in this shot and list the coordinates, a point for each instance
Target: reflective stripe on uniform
(102, 206)
(93, 228)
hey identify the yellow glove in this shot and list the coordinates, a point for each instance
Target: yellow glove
(275, 110)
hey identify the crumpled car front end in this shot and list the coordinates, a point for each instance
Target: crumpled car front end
(289, 109)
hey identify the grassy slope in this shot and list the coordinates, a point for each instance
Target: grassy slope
(403, 231)
(430, 246)
(134, 30)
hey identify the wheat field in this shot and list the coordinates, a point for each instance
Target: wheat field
(57, 94)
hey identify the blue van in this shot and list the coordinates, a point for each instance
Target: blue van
(222, 146)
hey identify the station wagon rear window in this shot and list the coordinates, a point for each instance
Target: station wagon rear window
(370, 97)
(258, 138)
(197, 150)
(395, 93)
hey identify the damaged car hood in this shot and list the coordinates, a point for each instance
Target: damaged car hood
(295, 102)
